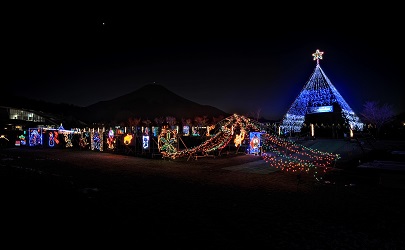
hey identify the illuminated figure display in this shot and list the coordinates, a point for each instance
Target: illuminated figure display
(22, 140)
(186, 130)
(317, 95)
(167, 140)
(128, 139)
(254, 142)
(145, 143)
(84, 140)
(239, 138)
(51, 141)
(53, 138)
(194, 131)
(110, 139)
(35, 136)
(97, 141)
(68, 139)
(155, 131)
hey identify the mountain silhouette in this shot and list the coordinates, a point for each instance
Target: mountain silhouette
(149, 102)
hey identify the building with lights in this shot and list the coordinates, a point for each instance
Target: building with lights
(15, 123)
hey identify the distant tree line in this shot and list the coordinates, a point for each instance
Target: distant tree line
(381, 121)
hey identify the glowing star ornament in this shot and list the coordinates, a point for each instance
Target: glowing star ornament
(317, 55)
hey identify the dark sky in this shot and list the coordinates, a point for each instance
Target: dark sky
(238, 61)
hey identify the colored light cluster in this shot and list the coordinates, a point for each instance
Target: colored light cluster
(317, 92)
(293, 157)
(283, 154)
(226, 130)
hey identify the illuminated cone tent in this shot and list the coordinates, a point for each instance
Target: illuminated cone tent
(318, 96)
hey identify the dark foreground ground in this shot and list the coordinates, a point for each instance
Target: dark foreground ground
(67, 198)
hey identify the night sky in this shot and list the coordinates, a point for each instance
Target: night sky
(240, 62)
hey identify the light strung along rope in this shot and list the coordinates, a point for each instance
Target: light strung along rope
(287, 155)
(220, 140)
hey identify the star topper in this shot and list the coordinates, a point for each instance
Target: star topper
(317, 55)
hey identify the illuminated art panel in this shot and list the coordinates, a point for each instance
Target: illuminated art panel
(53, 138)
(96, 141)
(194, 131)
(67, 137)
(21, 141)
(35, 136)
(255, 142)
(145, 141)
(129, 140)
(186, 130)
(84, 140)
(111, 139)
(155, 131)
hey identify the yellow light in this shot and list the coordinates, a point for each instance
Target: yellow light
(312, 130)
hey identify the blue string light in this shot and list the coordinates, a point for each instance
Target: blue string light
(317, 92)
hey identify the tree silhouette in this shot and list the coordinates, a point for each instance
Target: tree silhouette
(159, 120)
(255, 114)
(147, 122)
(377, 115)
(201, 120)
(171, 120)
(215, 120)
(186, 121)
(134, 122)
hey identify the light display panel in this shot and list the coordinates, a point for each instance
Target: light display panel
(22, 140)
(53, 138)
(321, 109)
(186, 130)
(35, 136)
(84, 140)
(195, 131)
(129, 139)
(255, 142)
(96, 141)
(155, 131)
(111, 139)
(145, 142)
(67, 136)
